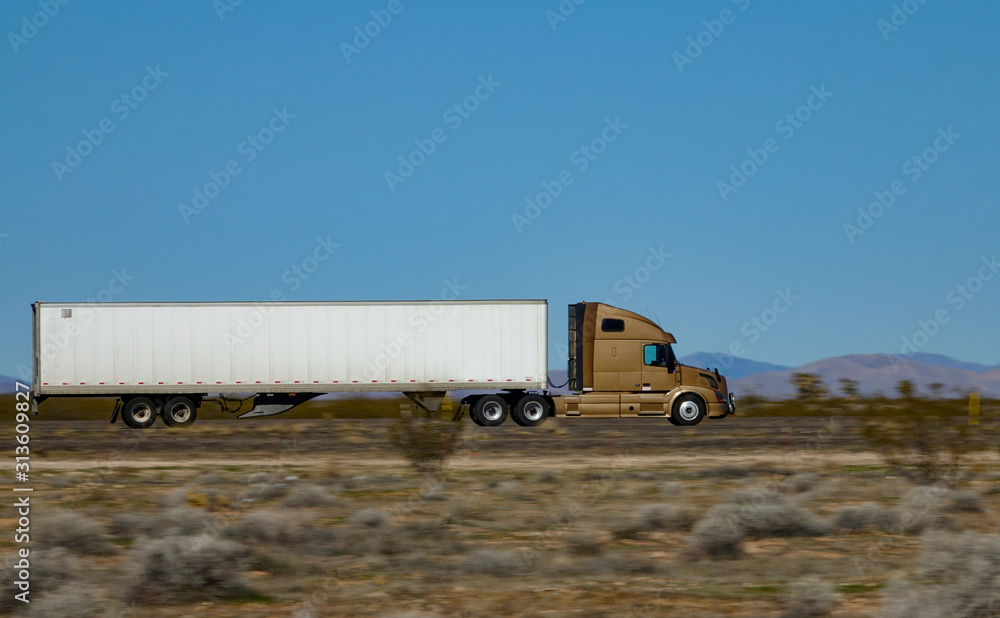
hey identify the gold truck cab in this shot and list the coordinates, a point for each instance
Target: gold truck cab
(622, 364)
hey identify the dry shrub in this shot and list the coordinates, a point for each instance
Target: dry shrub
(665, 517)
(73, 531)
(263, 486)
(717, 537)
(307, 495)
(187, 569)
(927, 440)
(180, 520)
(738, 472)
(800, 483)
(51, 570)
(269, 527)
(370, 518)
(755, 515)
(959, 576)
(496, 562)
(867, 516)
(546, 476)
(965, 501)
(427, 443)
(810, 598)
(632, 563)
(763, 513)
(584, 542)
(921, 509)
(68, 601)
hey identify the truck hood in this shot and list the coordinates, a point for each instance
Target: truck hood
(696, 376)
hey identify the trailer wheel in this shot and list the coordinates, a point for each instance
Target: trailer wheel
(139, 413)
(179, 412)
(490, 411)
(688, 410)
(530, 410)
(472, 411)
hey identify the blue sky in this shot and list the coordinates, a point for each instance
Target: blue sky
(596, 153)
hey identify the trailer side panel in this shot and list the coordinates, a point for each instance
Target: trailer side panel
(117, 348)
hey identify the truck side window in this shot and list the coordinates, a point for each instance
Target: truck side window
(654, 355)
(612, 325)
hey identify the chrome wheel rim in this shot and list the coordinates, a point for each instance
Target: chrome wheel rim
(492, 411)
(688, 411)
(180, 413)
(142, 413)
(533, 411)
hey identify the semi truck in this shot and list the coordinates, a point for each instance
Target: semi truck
(165, 360)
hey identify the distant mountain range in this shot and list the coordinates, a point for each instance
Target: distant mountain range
(874, 373)
(879, 373)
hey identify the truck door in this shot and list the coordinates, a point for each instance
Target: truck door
(659, 373)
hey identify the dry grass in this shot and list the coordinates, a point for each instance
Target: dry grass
(184, 569)
(515, 531)
(959, 575)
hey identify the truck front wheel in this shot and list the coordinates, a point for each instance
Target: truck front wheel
(139, 413)
(530, 410)
(179, 412)
(688, 410)
(490, 411)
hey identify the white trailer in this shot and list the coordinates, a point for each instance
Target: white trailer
(164, 359)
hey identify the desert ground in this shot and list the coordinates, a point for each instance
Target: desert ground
(760, 516)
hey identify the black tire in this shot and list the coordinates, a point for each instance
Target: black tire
(688, 410)
(673, 421)
(179, 412)
(139, 412)
(121, 415)
(530, 410)
(472, 412)
(490, 411)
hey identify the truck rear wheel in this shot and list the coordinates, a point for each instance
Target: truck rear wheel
(530, 410)
(490, 411)
(139, 413)
(179, 412)
(688, 410)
